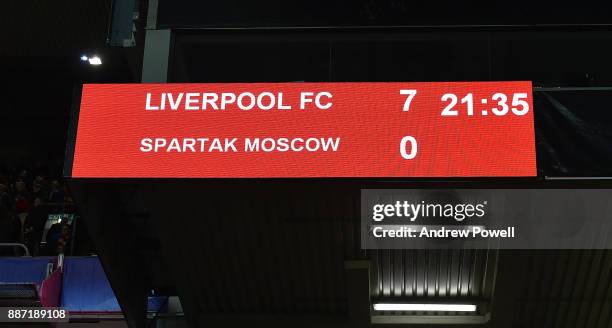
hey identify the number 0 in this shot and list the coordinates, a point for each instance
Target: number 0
(413, 147)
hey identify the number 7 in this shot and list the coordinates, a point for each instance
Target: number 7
(410, 93)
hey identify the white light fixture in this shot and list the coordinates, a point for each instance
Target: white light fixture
(424, 307)
(95, 60)
(84, 58)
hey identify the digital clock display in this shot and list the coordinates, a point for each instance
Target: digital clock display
(305, 130)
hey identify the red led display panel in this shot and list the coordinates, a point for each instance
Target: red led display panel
(305, 130)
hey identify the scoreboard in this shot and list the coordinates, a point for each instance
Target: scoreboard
(305, 130)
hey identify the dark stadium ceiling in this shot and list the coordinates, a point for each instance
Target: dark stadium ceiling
(40, 44)
(52, 28)
(43, 39)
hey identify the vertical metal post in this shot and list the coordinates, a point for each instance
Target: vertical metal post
(358, 292)
(156, 49)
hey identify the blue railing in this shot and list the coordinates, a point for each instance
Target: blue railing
(85, 288)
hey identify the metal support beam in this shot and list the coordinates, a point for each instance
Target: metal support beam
(358, 292)
(156, 49)
(152, 15)
(155, 59)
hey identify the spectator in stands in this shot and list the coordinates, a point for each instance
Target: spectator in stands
(5, 198)
(38, 188)
(22, 204)
(35, 225)
(58, 238)
(22, 191)
(63, 244)
(9, 230)
(57, 192)
(67, 195)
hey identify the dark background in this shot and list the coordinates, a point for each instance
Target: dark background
(285, 266)
(554, 45)
(321, 13)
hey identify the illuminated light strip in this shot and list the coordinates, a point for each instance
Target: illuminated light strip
(424, 307)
